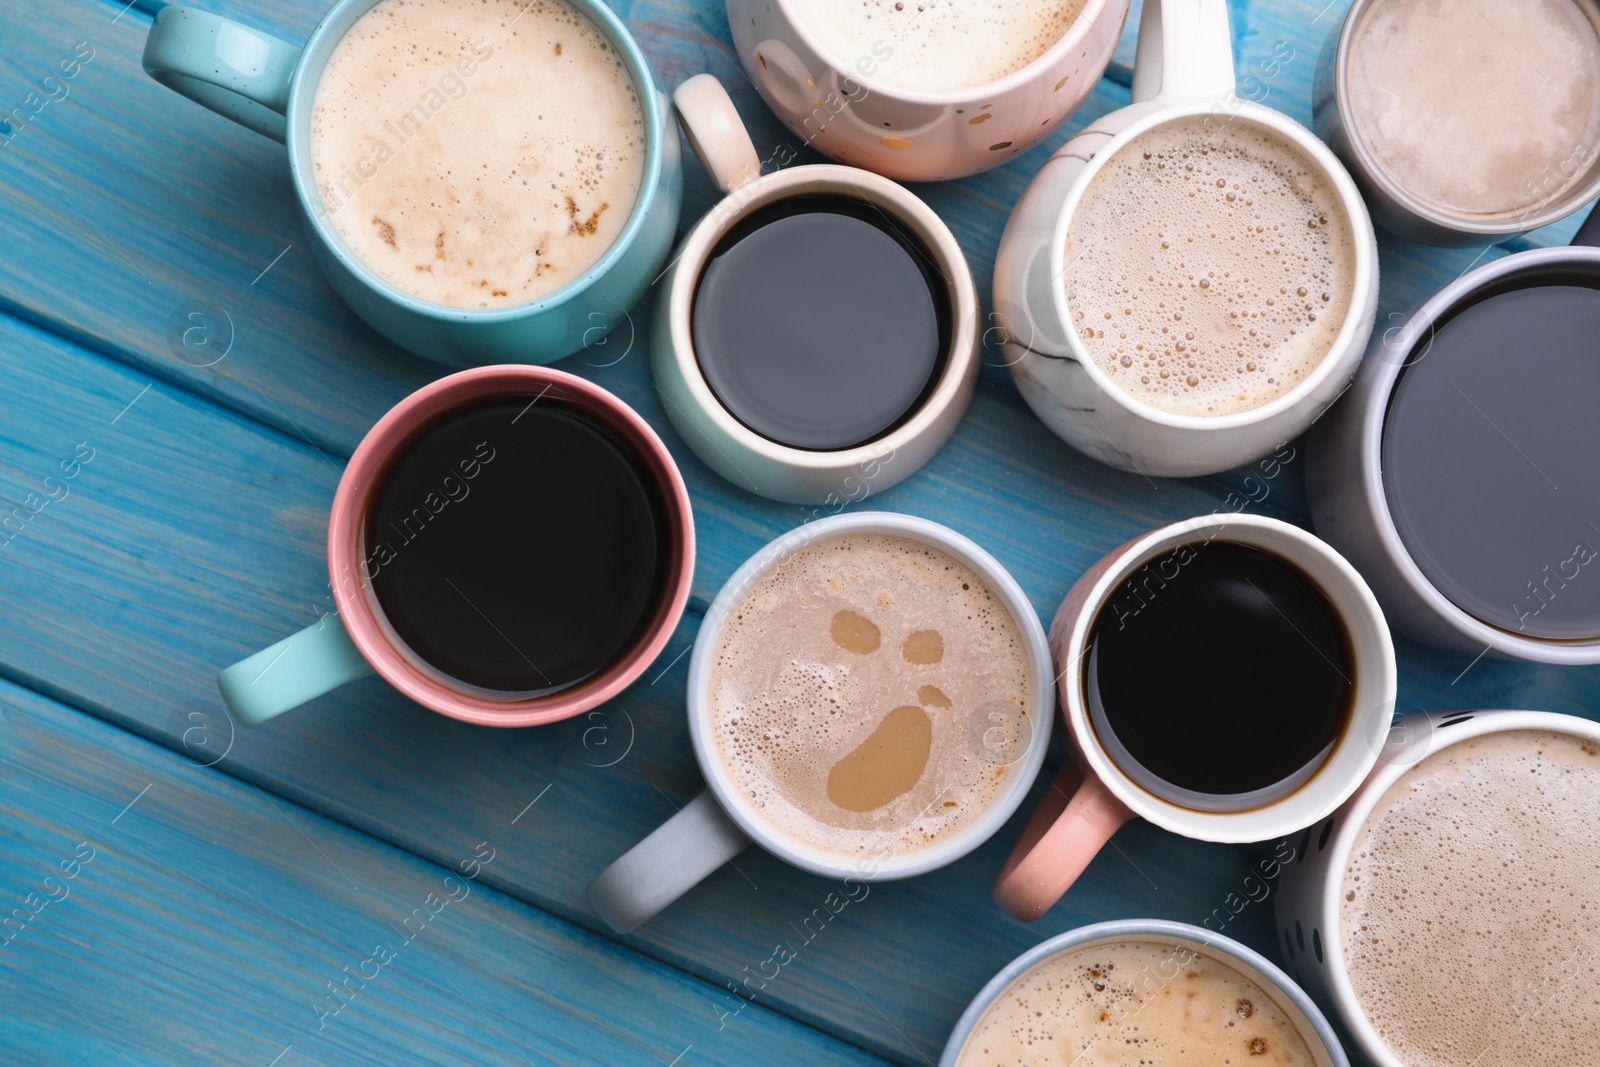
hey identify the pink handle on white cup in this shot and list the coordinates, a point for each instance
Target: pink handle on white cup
(1061, 837)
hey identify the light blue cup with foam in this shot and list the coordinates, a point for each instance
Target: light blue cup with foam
(269, 86)
(1296, 1006)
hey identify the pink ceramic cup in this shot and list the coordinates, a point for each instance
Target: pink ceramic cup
(357, 640)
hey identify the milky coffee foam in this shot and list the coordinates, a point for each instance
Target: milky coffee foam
(937, 44)
(1209, 266)
(1478, 107)
(870, 693)
(1134, 1004)
(1471, 902)
(477, 153)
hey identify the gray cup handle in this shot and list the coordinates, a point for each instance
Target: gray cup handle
(675, 858)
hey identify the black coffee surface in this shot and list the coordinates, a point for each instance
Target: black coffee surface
(820, 322)
(1491, 460)
(517, 548)
(1220, 669)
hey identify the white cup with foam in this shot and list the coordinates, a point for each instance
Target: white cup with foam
(1183, 73)
(1308, 906)
(722, 821)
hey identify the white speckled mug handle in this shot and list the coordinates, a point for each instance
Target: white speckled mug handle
(675, 858)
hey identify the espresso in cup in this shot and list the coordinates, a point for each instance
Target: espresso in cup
(477, 154)
(1481, 108)
(934, 45)
(1209, 266)
(1219, 676)
(516, 547)
(821, 322)
(1136, 1001)
(870, 692)
(1467, 905)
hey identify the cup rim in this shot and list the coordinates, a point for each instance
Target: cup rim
(1007, 83)
(1462, 726)
(352, 594)
(1363, 281)
(821, 861)
(836, 179)
(1233, 951)
(1560, 208)
(1353, 754)
(302, 96)
(1388, 355)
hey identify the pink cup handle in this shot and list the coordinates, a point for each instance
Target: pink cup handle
(1061, 837)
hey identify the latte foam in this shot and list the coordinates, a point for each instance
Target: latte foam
(1209, 266)
(870, 693)
(1134, 1004)
(477, 153)
(937, 44)
(1470, 905)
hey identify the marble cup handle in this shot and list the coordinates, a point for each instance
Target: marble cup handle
(1185, 51)
(1060, 839)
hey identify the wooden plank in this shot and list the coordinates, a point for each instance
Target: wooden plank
(163, 913)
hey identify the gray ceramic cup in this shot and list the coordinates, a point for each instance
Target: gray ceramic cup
(1308, 1020)
(1390, 205)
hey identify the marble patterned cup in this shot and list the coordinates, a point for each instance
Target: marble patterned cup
(846, 107)
(1308, 1021)
(1184, 71)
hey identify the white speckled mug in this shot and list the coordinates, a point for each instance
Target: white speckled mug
(1184, 70)
(850, 106)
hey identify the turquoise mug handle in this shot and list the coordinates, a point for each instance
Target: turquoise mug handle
(240, 73)
(301, 667)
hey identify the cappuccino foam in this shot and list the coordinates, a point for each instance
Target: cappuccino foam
(480, 154)
(870, 693)
(937, 44)
(1480, 107)
(1470, 905)
(1209, 267)
(1133, 1004)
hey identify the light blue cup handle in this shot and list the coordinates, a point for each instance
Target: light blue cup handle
(237, 72)
(299, 668)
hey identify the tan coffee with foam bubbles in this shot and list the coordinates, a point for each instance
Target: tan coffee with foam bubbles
(1209, 266)
(1471, 904)
(870, 693)
(477, 153)
(937, 44)
(1134, 1004)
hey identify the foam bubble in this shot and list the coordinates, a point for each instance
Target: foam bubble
(1133, 1002)
(795, 700)
(1209, 267)
(938, 44)
(477, 153)
(1470, 905)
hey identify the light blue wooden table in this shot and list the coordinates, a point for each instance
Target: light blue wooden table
(226, 887)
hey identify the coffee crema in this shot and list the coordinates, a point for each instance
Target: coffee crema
(1209, 267)
(869, 694)
(1478, 108)
(477, 154)
(1127, 1003)
(938, 44)
(1469, 905)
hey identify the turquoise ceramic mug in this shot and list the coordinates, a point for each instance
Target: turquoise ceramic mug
(269, 86)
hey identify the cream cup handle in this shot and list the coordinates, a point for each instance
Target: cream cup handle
(716, 133)
(675, 858)
(1185, 51)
